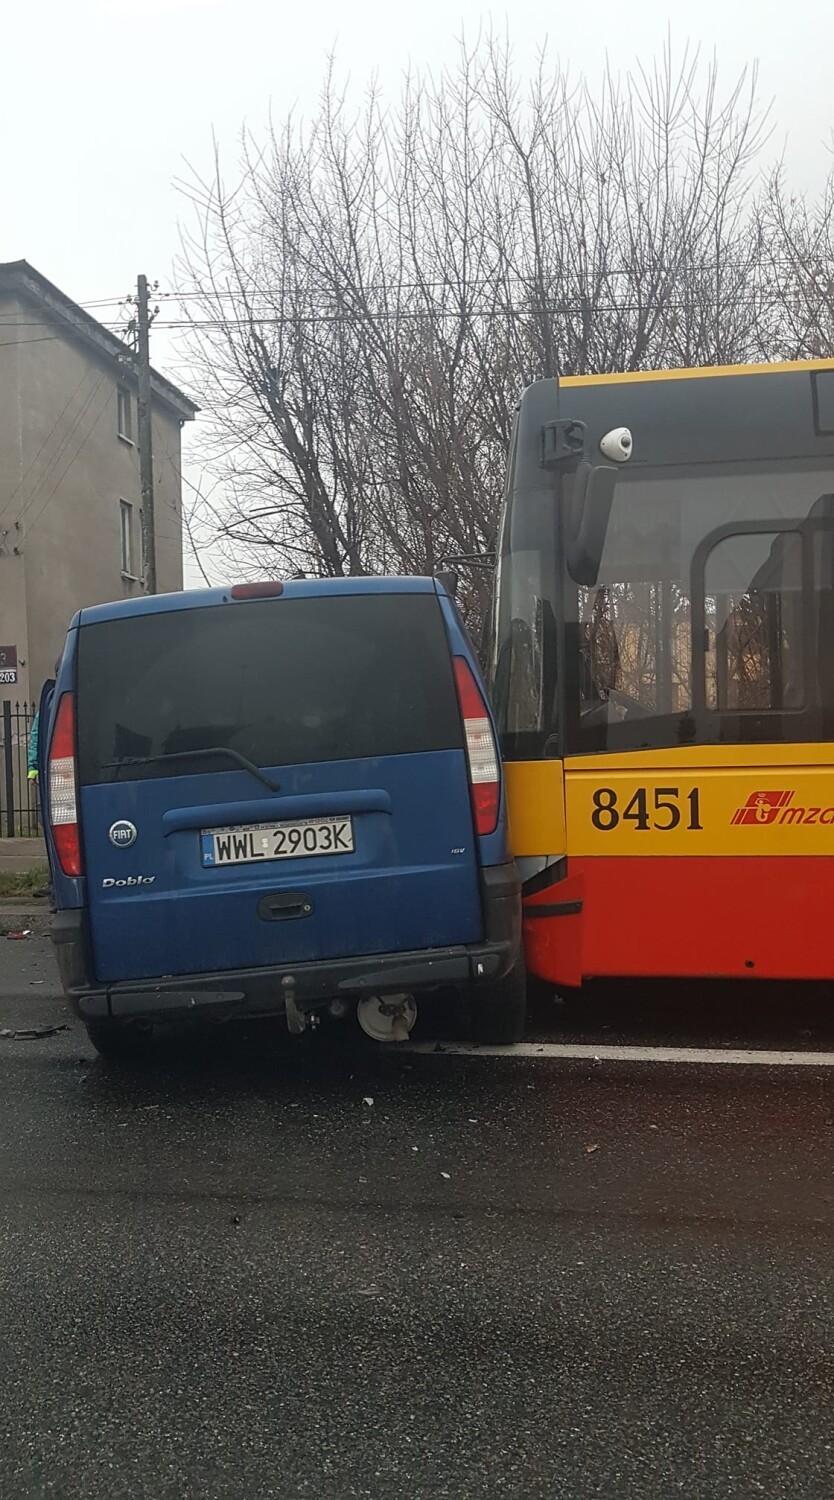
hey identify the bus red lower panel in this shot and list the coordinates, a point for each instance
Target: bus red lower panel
(713, 917)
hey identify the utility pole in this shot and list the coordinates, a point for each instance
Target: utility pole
(145, 447)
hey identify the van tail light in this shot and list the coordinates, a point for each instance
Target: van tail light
(63, 796)
(481, 749)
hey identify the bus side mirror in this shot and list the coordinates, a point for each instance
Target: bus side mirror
(587, 512)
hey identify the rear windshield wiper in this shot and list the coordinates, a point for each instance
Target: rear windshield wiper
(211, 752)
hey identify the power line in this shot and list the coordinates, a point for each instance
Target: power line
(42, 322)
(64, 444)
(106, 301)
(57, 457)
(50, 338)
(517, 278)
(51, 433)
(59, 481)
(485, 314)
(580, 307)
(419, 283)
(751, 302)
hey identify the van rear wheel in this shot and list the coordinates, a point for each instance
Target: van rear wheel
(499, 1009)
(117, 1042)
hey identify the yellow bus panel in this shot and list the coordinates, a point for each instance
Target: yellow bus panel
(709, 800)
(536, 806)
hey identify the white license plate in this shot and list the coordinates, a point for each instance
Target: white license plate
(303, 837)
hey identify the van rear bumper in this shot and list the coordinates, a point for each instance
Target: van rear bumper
(258, 992)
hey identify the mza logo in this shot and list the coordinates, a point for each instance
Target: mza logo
(778, 807)
(761, 807)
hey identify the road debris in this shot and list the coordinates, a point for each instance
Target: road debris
(31, 1033)
(368, 1100)
(593, 1147)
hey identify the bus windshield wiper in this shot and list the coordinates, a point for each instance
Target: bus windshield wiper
(210, 752)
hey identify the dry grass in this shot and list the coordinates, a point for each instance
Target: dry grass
(23, 882)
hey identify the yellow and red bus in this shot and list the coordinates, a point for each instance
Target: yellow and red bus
(663, 672)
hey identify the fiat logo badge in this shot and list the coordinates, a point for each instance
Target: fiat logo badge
(123, 834)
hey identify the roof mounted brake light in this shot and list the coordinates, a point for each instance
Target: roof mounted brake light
(269, 590)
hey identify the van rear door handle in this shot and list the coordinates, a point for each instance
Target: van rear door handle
(283, 906)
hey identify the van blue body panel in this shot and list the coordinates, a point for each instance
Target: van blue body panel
(401, 888)
(414, 882)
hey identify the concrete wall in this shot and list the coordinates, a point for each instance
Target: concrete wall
(13, 357)
(66, 514)
(167, 474)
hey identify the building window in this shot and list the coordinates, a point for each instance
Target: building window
(125, 414)
(127, 543)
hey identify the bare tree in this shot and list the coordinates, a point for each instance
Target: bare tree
(795, 262)
(368, 299)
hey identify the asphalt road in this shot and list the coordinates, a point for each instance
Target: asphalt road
(232, 1275)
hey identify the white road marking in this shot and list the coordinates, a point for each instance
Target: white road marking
(579, 1052)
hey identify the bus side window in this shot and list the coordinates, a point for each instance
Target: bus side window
(754, 622)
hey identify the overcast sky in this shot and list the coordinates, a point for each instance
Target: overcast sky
(102, 103)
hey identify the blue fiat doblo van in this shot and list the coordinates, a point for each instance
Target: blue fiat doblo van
(276, 798)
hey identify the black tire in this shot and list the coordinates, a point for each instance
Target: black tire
(117, 1042)
(499, 1010)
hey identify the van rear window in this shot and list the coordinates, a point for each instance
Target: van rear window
(281, 682)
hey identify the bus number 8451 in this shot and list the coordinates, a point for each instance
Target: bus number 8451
(665, 814)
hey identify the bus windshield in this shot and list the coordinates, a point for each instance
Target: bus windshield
(710, 617)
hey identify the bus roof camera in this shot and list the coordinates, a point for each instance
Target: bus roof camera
(617, 445)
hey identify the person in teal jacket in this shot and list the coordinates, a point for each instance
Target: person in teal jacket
(33, 748)
(33, 776)
(34, 732)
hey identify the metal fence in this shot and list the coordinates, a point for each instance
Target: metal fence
(20, 812)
